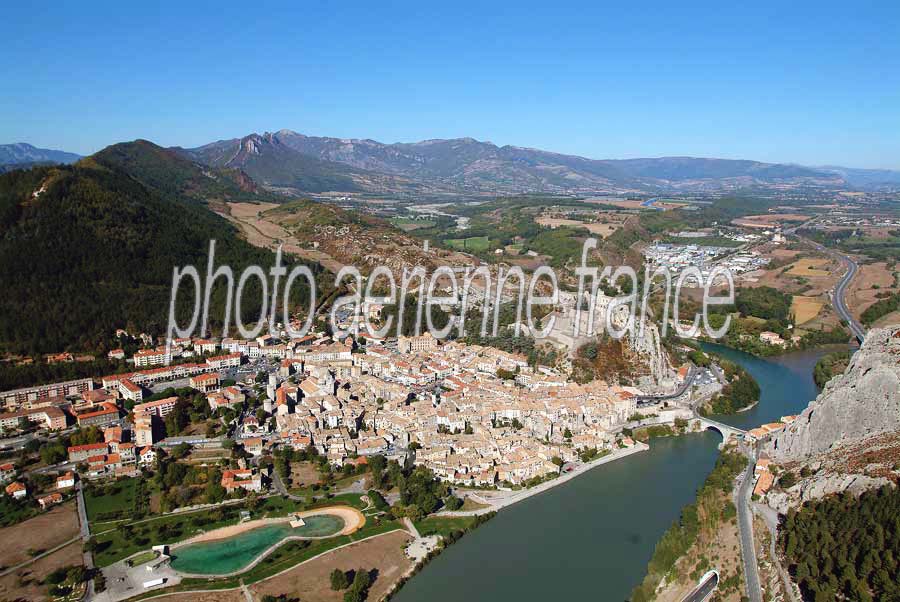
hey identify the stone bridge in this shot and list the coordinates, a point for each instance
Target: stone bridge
(723, 429)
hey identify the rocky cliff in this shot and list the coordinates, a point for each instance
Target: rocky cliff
(862, 403)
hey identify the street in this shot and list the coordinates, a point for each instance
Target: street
(745, 525)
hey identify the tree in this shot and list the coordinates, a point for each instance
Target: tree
(339, 580)
(453, 503)
(53, 454)
(787, 480)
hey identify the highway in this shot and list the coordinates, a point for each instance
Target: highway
(840, 291)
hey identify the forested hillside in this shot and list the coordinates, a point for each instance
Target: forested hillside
(844, 548)
(86, 249)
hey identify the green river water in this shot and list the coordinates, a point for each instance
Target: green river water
(591, 538)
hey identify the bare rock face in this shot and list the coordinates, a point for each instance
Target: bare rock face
(821, 486)
(863, 402)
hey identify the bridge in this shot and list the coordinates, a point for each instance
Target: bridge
(725, 430)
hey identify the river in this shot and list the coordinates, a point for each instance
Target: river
(591, 538)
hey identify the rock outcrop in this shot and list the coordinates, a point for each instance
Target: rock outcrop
(820, 486)
(863, 402)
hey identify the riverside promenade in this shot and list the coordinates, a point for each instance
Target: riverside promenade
(497, 500)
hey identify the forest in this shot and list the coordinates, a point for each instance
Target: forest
(741, 391)
(842, 547)
(87, 249)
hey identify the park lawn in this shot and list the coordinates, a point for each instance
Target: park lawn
(443, 525)
(115, 544)
(121, 501)
(290, 554)
(348, 499)
(470, 504)
(142, 558)
(473, 243)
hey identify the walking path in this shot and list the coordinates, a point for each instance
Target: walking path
(411, 528)
(87, 556)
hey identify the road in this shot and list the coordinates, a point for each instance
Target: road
(745, 525)
(840, 291)
(651, 399)
(840, 304)
(706, 587)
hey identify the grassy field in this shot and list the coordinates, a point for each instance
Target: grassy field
(443, 525)
(408, 224)
(474, 243)
(98, 502)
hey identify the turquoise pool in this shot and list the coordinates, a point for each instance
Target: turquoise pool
(231, 554)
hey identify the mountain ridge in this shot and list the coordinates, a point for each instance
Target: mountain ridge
(25, 153)
(468, 165)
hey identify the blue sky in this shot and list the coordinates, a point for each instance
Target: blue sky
(806, 82)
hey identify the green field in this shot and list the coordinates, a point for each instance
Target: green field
(99, 502)
(443, 525)
(474, 243)
(407, 223)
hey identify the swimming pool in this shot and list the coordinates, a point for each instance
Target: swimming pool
(230, 554)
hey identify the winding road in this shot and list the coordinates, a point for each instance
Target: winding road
(840, 291)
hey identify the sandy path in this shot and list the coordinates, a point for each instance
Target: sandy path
(353, 521)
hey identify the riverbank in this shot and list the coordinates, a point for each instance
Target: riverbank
(498, 500)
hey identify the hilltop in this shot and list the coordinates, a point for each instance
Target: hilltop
(90, 247)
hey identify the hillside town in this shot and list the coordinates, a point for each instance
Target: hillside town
(473, 415)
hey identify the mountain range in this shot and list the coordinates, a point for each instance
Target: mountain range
(289, 162)
(22, 154)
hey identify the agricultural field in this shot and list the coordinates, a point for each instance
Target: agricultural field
(769, 220)
(805, 309)
(39, 534)
(809, 268)
(408, 224)
(873, 282)
(474, 244)
(26, 583)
